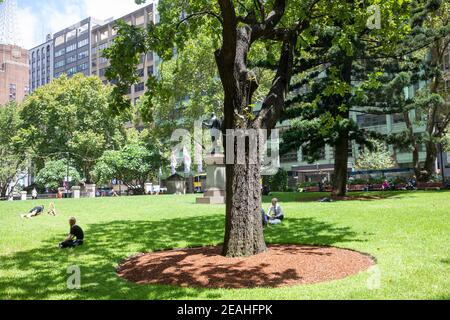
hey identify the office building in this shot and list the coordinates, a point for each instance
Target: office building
(103, 36)
(41, 64)
(14, 76)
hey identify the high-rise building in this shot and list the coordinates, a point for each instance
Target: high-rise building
(103, 36)
(78, 49)
(41, 64)
(13, 74)
(72, 48)
(13, 59)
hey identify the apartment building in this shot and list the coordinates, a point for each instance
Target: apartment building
(14, 74)
(78, 49)
(41, 64)
(72, 48)
(103, 36)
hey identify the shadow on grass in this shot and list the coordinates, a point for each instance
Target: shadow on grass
(351, 196)
(42, 273)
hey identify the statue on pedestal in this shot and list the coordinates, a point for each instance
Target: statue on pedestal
(215, 126)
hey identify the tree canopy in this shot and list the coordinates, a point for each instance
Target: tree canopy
(71, 118)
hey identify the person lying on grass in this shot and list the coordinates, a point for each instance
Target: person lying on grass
(33, 212)
(275, 214)
(75, 237)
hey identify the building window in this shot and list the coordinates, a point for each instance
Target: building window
(140, 20)
(71, 59)
(368, 120)
(103, 46)
(12, 92)
(71, 47)
(140, 72)
(139, 87)
(83, 43)
(71, 71)
(83, 67)
(83, 54)
(102, 72)
(71, 35)
(83, 29)
(150, 70)
(104, 35)
(59, 64)
(59, 53)
(103, 60)
(59, 40)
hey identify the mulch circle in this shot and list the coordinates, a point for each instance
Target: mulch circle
(280, 266)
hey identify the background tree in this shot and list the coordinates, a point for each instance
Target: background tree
(136, 163)
(71, 118)
(13, 155)
(337, 76)
(277, 182)
(54, 173)
(376, 158)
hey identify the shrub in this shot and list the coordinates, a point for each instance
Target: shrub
(278, 182)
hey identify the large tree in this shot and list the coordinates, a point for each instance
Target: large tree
(71, 119)
(237, 28)
(137, 162)
(13, 155)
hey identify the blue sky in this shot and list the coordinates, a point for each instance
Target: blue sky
(37, 18)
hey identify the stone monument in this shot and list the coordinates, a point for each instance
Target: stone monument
(215, 180)
(216, 168)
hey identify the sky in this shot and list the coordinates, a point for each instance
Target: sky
(37, 18)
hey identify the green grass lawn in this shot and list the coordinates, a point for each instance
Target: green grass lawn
(407, 232)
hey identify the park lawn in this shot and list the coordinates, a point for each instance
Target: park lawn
(407, 232)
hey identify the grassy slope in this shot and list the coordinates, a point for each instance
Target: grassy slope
(408, 233)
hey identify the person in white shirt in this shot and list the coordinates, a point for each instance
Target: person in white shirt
(275, 213)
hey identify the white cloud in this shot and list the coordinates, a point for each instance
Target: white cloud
(104, 9)
(27, 28)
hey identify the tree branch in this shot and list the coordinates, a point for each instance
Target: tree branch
(270, 22)
(273, 105)
(206, 12)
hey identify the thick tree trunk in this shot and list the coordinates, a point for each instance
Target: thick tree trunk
(244, 231)
(430, 160)
(341, 166)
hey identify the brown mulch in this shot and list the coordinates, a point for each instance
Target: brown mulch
(280, 266)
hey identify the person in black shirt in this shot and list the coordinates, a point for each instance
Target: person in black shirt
(33, 212)
(75, 237)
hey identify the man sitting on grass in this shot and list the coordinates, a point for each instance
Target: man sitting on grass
(33, 212)
(75, 237)
(275, 214)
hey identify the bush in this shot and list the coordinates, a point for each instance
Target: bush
(278, 182)
(308, 184)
